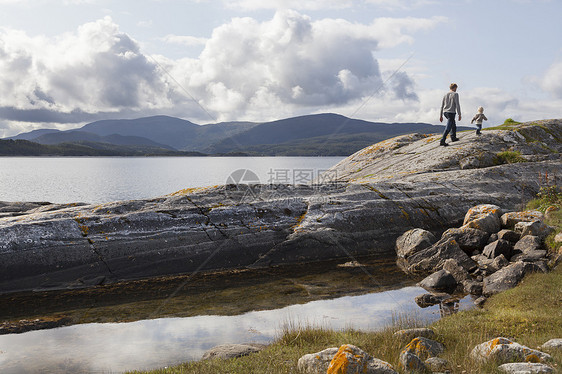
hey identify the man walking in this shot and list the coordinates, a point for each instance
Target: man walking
(449, 107)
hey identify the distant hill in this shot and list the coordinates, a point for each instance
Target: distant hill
(316, 135)
(320, 135)
(27, 148)
(84, 136)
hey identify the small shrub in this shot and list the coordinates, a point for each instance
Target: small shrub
(510, 122)
(508, 157)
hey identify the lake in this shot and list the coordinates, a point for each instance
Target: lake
(103, 179)
(138, 331)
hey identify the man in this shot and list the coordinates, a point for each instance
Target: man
(449, 107)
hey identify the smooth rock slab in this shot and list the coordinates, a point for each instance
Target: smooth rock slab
(227, 351)
(504, 350)
(316, 363)
(525, 368)
(350, 359)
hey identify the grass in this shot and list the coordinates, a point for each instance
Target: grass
(508, 124)
(508, 157)
(529, 314)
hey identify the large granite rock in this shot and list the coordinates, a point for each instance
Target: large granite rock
(375, 196)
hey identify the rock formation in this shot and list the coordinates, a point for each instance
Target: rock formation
(364, 204)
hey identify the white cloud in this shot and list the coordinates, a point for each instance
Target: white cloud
(552, 80)
(248, 69)
(185, 40)
(400, 4)
(288, 4)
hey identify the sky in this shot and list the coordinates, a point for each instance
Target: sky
(64, 63)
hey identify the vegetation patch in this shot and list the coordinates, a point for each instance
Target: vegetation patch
(508, 124)
(508, 157)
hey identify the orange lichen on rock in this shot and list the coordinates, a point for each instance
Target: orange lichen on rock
(340, 362)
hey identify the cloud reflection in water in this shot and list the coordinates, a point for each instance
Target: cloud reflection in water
(117, 347)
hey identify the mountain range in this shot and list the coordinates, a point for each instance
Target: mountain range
(314, 135)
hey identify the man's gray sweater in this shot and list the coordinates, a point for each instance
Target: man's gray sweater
(451, 103)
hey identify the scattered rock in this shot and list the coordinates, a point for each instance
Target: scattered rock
(498, 263)
(428, 299)
(528, 243)
(458, 272)
(411, 363)
(558, 238)
(552, 345)
(472, 287)
(509, 235)
(431, 259)
(316, 363)
(550, 211)
(480, 301)
(509, 220)
(499, 247)
(535, 267)
(437, 364)
(504, 279)
(468, 239)
(525, 368)
(441, 280)
(409, 334)
(493, 237)
(424, 348)
(226, 351)
(350, 359)
(413, 241)
(485, 217)
(503, 350)
(535, 228)
(529, 256)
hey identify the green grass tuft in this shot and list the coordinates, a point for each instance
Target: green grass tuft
(508, 157)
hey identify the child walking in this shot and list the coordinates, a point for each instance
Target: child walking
(478, 118)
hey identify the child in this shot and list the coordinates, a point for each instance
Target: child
(478, 118)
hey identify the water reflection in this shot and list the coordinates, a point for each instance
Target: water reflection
(117, 347)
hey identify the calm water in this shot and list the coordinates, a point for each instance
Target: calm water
(112, 347)
(104, 179)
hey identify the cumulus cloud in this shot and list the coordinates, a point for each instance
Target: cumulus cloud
(288, 4)
(552, 80)
(248, 69)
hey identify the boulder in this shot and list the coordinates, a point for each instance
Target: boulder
(413, 241)
(499, 247)
(409, 334)
(503, 350)
(458, 272)
(535, 267)
(528, 243)
(350, 359)
(558, 238)
(552, 345)
(550, 212)
(504, 279)
(509, 220)
(441, 280)
(411, 363)
(509, 235)
(479, 302)
(498, 263)
(437, 364)
(485, 217)
(316, 363)
(525, 368)
(427, 299)
(472, 287)
(529, 256)
(424, 348)
(227, 351)
(432, 259)
(535, 228)
(493, 237)
(469, 239)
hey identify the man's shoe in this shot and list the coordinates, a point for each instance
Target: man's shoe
(455, 140)
(443, 144)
